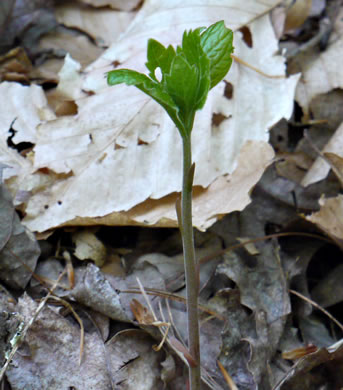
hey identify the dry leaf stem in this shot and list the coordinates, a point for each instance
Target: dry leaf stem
(191, 268)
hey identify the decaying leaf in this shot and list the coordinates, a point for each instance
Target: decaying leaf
(57, 44)
(329, 359)
(141, 313)
(297, 13)
(15, 66)
(328, 291)
(22, 110)
(328, 218)
(89, 247)
(104, 164)
(23, 22)
(321, 167)
(19, 250)
(103, 25)
(54, 339)
(299, 352)
(314, 64)
(135, 365)
(95, 291)
(269, 303)
(127, 5)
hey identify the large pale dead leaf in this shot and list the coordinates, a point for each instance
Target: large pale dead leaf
(103, 25)
(321, 71)
(78, 46)
(121, 152)
(22, 109)
(126, 5)
(313, 82)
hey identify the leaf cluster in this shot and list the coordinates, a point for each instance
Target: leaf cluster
(188, 73)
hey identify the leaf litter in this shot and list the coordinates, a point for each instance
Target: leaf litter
(259, 308)
(108, 141)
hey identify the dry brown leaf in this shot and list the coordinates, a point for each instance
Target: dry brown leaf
(298, 353)
(297, 13)
(325, 358)
(15, 66)
(141, 313)
(329, 218)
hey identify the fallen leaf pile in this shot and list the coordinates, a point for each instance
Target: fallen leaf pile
(87, 169)
(120, 141)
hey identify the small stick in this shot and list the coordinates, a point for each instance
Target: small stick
(332, 318)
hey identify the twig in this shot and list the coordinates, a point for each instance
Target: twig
(332, 318)
(156, 322)
(227, 377)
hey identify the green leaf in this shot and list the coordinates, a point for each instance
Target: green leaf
(159, 57)
(216, 42)
(182, 86)
(188, 73)
(195, 55)
(151, 88)
(188, 81)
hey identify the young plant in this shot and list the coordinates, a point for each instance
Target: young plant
(188, 73)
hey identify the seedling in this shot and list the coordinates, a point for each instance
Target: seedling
(188, 73)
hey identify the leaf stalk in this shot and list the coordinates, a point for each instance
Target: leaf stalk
(190, 262)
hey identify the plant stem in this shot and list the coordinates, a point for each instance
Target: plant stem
(191, 268)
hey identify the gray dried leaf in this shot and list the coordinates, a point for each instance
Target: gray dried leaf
(24, 21)
(316, 369)
(133, 361)
(93, 290)
(53, 343)
(263, 289)
(19, 249)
